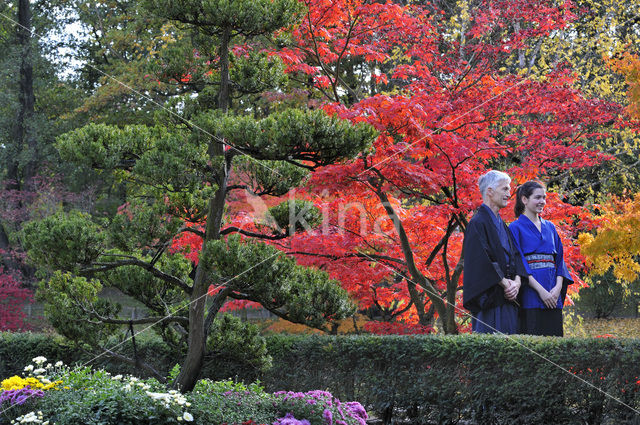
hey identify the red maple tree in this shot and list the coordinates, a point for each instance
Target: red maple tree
(449, 104)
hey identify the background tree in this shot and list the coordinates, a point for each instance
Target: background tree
(601, 32)
(614, 248)
(32, 98)
(181, 171)
(616, 244)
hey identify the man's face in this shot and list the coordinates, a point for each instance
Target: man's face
(499, 196)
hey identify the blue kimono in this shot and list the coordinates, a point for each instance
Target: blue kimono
(490, 254)
(542, 255)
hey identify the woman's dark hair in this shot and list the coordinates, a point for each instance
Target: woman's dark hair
(525, 190)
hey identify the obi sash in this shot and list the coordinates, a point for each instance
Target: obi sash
(540, 261)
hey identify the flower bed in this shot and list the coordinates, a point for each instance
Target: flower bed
(55, 394)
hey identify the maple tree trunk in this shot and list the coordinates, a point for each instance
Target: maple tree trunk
(416, 276)
(449, 319)
(423, 317)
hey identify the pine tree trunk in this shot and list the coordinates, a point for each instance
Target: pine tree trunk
(192, 365)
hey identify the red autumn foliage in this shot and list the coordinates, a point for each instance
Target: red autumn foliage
(458, 114)
(12, 299)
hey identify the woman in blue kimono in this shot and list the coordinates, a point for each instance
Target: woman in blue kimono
(541, 248)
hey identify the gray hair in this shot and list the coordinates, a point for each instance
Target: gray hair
(491, 180)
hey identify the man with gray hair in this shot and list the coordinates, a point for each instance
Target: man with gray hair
(493, 266)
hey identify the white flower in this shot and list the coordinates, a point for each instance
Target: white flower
(179, 418)
(117, 377)
(39, 360)
(59, 363)
(165, 398)
(45, 423)
(29, 418)
(28, 368)
(188, 417)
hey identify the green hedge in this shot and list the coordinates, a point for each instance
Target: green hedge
(486, 379)
(435, 379)
(18, 349)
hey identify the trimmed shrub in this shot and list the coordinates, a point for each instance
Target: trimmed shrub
(17, 350)
(479, 378)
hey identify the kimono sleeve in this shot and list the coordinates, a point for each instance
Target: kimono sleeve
(561, 266)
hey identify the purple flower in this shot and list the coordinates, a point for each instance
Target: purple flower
(17, 397)
(356, 410)
(328, 416)
(289, 419)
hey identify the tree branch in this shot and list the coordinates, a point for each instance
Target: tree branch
(103, 267)
(355, 255)
(193, 230)
(416, 275)
(233, 229)
(146, 320)
(216, 305)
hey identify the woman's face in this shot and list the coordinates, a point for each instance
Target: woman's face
(536, 202)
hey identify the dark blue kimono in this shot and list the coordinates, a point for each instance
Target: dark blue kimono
(542, 255)
(490, 254)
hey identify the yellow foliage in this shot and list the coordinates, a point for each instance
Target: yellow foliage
(628, 65)
(617, 241)
(573, 324)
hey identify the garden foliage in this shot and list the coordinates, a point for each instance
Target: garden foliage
(608, 296)
(49, 393)
(435, 379)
